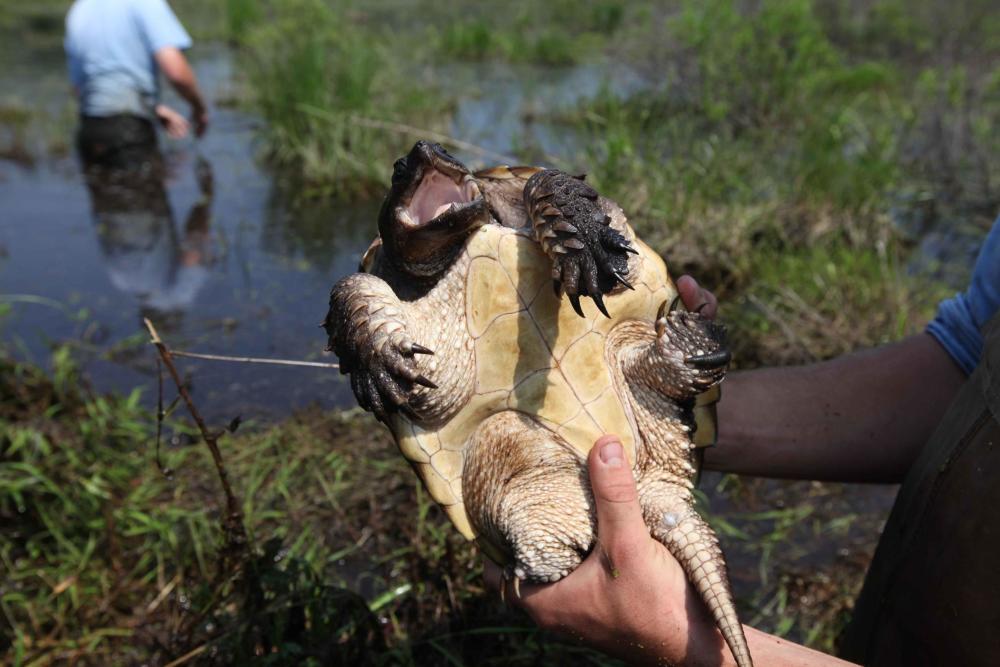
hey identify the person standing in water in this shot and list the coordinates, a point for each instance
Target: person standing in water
(116, 50)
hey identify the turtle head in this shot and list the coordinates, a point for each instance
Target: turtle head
(432, 207)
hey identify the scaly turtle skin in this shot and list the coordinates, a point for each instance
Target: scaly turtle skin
(495, 387)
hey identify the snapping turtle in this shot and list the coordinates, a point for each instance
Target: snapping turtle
(495, 389)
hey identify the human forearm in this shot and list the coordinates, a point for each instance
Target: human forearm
(861, 417)
(178, 72)
(705, 648)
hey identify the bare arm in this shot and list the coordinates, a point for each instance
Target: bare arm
(862, 417)
(178, 72)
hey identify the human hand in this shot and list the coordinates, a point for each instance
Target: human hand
(629, 597)
(175, 124)
(694, 297)
(199, 117)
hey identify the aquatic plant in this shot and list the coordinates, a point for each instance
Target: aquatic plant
(319, 81)
(550, 33)
(241, 16)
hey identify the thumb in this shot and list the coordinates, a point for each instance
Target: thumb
(620, 526)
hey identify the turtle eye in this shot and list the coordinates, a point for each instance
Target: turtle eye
(399, 171)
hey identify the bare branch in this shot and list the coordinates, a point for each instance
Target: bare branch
(254, 360)
(236, 537)
(160, 414)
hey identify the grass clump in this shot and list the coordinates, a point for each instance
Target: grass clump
(241, 16)
(317, 80)
(771, 152)
(107, 561)
(552, 33)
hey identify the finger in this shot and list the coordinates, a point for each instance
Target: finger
(690, 292)
(696, 297)
(711, 307)
(620, 527)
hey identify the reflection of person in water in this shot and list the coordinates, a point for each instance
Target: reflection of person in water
(116, 50)
(144, 254)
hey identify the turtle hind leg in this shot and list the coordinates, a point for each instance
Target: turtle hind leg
(527, 496)
(669, 512)
(589, 257)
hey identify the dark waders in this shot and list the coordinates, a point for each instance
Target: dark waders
(932, 594)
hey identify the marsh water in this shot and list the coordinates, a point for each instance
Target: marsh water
(235, 262)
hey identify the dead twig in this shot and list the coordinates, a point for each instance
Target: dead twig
(160, 414)
(254, 360)
(187, 657)
(236, 548)
(236, 537)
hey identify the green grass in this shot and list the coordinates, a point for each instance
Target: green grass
(317, 80)
(768, 161)
(106, 560)
(524, 42)
(550, 33)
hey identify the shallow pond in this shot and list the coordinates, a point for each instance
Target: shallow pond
(236, 264)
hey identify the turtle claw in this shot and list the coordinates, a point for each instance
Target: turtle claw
(620, 278)
(424, 382)
(711, 360)
(511, 573)
(409, 412)
(621, 244)
(575, 300)
(662, 311)
(599, 300)
(416, 348)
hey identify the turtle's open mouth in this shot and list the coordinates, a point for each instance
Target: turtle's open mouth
(439, 193)
(432, 207)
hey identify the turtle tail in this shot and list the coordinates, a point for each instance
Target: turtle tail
(693, 543)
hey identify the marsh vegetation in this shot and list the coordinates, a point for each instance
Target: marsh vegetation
(824, 167)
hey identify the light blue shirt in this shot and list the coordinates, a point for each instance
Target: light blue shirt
(110, 46)
(960, 320)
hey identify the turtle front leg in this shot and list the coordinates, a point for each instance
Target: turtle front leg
(588, 256)
(368, 330)
(527, 496)
(683, 356)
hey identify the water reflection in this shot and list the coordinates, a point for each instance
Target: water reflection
(317, 236)
(145, 255)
